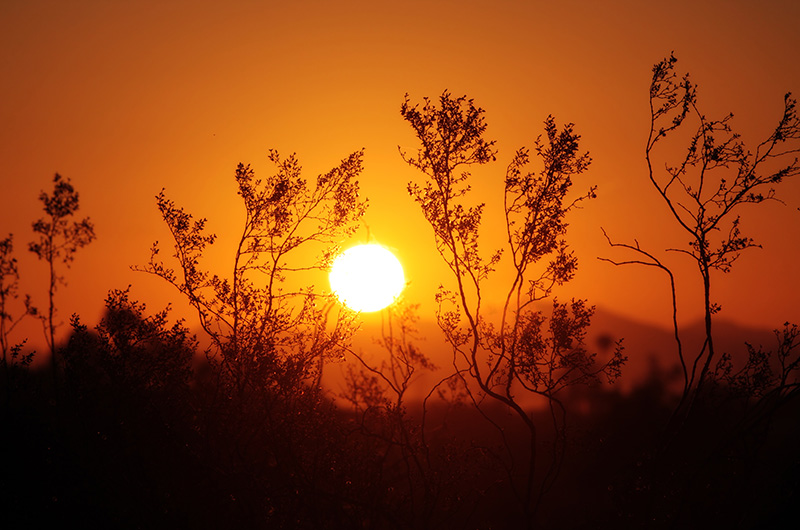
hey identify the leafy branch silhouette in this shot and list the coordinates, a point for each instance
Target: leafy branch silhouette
(527, 353)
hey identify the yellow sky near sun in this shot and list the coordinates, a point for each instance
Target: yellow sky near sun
(125, 98)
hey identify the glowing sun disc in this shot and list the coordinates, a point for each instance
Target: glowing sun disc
(366, 277)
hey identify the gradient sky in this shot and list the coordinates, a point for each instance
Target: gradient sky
(127, 97)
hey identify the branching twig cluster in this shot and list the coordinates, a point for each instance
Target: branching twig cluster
(263, 333)
(526, 353)
(704, 191)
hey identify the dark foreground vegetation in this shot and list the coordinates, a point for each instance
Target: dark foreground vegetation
(133, 425)
(120, 450)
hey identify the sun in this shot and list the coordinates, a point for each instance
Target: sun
(367, 278)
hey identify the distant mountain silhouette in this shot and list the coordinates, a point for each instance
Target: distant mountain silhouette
(649, 346)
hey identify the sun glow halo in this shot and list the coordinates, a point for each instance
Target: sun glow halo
(366, 278)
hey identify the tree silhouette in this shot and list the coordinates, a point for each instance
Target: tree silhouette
(262, 411)
(58, 239)
(729, 409)
(705, 191)
(527, 352)
(264, 333)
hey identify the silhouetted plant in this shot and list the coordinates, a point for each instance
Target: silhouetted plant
(58, 239)
(527, 352)
(9, 286)
(377, 392)
(767, 379)
(705, 190)
(262, 413)
(130, 349)
(391, 378)
(714, 441)
(264, 333)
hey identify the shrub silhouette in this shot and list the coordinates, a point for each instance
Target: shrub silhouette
(526, 352)
(724, 417)
(704, 193)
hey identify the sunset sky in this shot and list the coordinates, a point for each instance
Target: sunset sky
(128, 97)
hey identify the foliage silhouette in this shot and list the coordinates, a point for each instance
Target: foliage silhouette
(130, 350)
(527, 353)
(265, 409)
(705, 190)
(9, 286)
(268, 335)
(58, 239)
(727, 407)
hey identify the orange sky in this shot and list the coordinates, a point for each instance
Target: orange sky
(127, 97)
